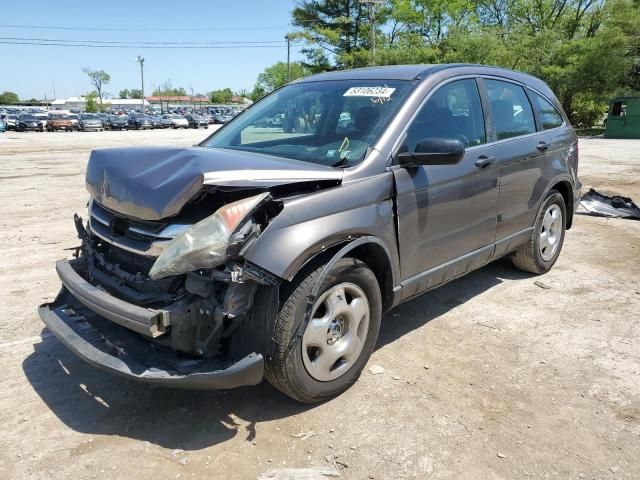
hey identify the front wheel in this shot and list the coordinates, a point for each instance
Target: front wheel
(542, 250)
(338, 339)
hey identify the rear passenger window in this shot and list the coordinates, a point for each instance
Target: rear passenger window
(511, 110)
(549, 115)
(453, 111)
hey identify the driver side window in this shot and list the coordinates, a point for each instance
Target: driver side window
(453, 111)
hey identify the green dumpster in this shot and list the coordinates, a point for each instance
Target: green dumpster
(623, 120)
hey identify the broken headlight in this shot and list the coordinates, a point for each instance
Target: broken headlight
(204, 244)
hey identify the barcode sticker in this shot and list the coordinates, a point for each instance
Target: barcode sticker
(379, 92)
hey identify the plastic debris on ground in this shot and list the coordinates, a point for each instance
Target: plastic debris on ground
(604, 206)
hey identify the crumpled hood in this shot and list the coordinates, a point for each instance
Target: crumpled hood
(152, 183)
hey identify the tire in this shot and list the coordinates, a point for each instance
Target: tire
(534, 256)
(292, 372)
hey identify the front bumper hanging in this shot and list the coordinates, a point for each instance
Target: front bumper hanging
(80, 317)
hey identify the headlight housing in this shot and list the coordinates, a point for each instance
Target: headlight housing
(204, 244)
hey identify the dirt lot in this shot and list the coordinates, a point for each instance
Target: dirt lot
(488, 377)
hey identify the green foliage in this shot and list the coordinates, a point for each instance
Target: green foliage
(275, 76)
(130, 93)
(586, 112)
(257, 93)
(92, 105)
(8, 98)
(221, 96)
(99, 79)
(586, 50)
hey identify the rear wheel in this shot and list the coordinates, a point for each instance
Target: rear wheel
(338, 339)
(542, 250)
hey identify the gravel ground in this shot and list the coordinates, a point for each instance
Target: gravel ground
(489, 377)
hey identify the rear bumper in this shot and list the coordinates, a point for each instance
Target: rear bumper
(75, 320)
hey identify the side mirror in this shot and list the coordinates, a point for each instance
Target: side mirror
(434, 151)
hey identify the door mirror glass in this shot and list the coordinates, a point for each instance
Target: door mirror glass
(434, 151)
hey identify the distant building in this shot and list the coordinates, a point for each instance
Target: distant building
(176, 100)
(241, 100)
(126, 103)
(80, 103)
(71, 103)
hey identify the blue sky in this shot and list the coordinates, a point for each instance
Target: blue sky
(31, 71)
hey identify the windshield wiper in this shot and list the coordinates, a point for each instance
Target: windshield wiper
(342, 163)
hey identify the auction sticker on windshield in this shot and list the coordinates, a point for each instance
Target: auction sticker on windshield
(380, 92)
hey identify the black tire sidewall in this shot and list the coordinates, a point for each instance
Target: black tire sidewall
(553, 197)
(305, 386)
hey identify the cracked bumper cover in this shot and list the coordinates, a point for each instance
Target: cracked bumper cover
(114, 348)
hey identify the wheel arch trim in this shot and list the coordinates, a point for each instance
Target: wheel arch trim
(349, 245)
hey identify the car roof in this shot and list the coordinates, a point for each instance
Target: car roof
(422, 71)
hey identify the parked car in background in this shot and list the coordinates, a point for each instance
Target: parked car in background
(196, 121)
(90, 122)
(11, 121)
(28, 122)
(155, 121)
(165, 122)
(177, 121)
(221, 118)
(104, 117)
(139, 121)
(59, 122)
(118, 122)
(261, 255)
(2, 126)
(43, 118)
(74, 119)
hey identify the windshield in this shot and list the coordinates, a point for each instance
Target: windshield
(89, 117)
(329, 123)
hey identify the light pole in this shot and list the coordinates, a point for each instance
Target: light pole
(288, 39)
(140, 60)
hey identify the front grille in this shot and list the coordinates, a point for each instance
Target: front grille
(145, 238)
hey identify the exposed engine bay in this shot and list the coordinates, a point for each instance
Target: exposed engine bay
(204, 307)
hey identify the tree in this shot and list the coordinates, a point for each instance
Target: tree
(587, 50)
(98, 78)
(168, 90)
(8, 98)
(91, 105)
(221, 96)
(335, 26)
(124, 93)
(275, 76)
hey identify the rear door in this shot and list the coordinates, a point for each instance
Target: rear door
(446, 212)
(522, 156)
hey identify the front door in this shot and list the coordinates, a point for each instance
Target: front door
(446, 213)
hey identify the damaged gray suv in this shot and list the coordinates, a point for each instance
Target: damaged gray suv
(272, 249)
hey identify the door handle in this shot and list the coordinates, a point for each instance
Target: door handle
(542, 146)
(483, 161)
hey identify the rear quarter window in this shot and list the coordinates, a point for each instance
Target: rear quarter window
(549, 115)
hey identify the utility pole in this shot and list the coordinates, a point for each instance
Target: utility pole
(140, 60)
(288, 38)
(372, 22)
